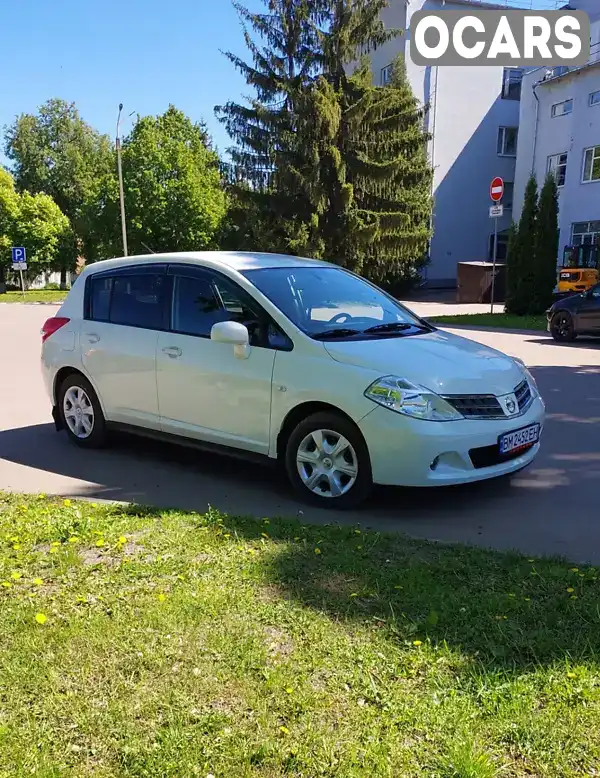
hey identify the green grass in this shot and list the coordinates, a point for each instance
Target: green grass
(162, 644)
(34, 296)
(501, 320)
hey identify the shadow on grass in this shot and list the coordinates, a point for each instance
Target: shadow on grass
(505, 611)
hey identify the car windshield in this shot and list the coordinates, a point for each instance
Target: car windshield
(331, 303)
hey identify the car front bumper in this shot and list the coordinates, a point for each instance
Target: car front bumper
(413, 452)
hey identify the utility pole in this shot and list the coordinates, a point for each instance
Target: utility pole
(120, 171)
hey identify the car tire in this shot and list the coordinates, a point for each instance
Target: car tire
(562, 327)
(321, 476)
(80, 412)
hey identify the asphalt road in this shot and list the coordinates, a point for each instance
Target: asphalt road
(551, 508)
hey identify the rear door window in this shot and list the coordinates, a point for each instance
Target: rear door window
(138, 300)
(100, 298)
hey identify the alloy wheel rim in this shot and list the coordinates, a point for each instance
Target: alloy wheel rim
(78, 412)
(327, 463)
(563, 325)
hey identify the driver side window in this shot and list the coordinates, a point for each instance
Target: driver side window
(201, 301)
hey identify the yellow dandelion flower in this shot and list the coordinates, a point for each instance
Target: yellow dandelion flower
(122, 539)
(162, 597)
(317, 551)
(94, 505)
(67, 503)
(38, 581)
(289, 690)
(53, 550)
(74, 539)
(15, 576)
(55, 543)
(570, 675)
(6, 584)
(17, 547)
(100, 542)
(357, 532)
(42, 496)
(251, 551)
(417, 642)
(285, 730)
(41, 618)
(570, 589)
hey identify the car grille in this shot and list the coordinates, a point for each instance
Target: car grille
(488, 456)
(486, 406)
(523, 395)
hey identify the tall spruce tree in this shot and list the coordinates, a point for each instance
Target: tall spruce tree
(521, 257)
(269, 160)
(546, 245)
(338, 167)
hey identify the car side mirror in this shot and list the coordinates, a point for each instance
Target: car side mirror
(234, 333)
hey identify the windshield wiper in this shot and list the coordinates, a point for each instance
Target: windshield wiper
(341, 332)
(396, 326)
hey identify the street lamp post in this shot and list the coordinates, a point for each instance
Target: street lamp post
(120, 171)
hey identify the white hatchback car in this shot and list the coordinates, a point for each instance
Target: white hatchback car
(293, 360)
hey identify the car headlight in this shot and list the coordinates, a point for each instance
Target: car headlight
(527, 373)
(410, 399)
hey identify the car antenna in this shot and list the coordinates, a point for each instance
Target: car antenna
(147, 247)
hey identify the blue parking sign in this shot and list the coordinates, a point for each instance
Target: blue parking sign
(19, 255)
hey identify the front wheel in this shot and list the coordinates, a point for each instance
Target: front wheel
(80, 412)
(562, 327)
(327, 462)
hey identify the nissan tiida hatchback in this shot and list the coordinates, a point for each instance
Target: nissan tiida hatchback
(288, 359)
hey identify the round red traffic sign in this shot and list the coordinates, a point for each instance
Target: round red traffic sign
(497, 189)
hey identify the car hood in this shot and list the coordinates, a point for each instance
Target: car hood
(440, 361)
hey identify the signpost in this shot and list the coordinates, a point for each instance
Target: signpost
(497, 210)
(19, 262)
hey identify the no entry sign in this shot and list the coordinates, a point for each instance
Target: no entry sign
(497, 189)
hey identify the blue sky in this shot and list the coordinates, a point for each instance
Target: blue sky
(143, 53)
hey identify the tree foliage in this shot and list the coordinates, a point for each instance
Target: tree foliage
(533, 251)
(174, 196)
(36, 222)
(546, 245)
(521, 276)
(57, 153)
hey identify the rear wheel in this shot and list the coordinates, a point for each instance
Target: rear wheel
(80, 412)
(327, 462)
(562, 327)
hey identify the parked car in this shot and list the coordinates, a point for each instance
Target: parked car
(575, 315)
(293, 360)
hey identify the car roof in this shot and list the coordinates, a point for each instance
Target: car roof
(234, 260)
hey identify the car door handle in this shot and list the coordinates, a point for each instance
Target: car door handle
(92, 337)
(173, 351)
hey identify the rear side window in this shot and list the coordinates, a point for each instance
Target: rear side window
(138, 301)
(100, 298)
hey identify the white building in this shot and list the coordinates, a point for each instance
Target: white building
(560, 131)
(474, 119)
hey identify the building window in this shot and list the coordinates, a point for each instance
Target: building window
(591, 164)
(557, 164)
(507, 141)
(502, 249)
(562, 109)
(386, 75)
(595, 98)
(511, 83)
(585, 233)
(507, 198)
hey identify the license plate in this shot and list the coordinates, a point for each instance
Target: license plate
(513, 441)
